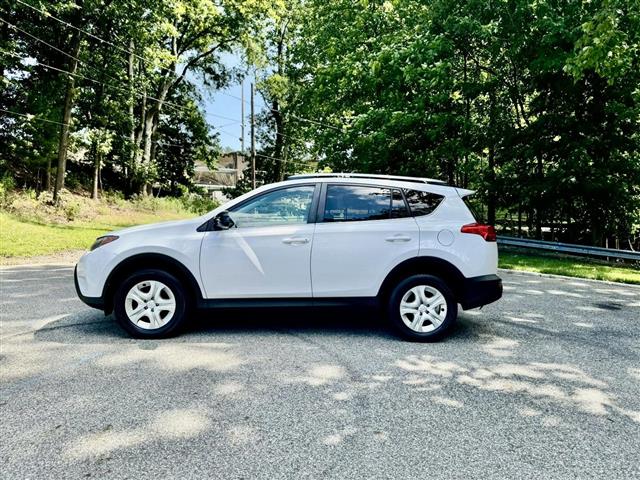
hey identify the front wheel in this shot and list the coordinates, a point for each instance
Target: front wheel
(422, 308)
(150, 304)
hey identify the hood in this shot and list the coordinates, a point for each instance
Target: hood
(195, 222)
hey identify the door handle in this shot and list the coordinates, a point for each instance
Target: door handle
(398, 238)
(295, 240)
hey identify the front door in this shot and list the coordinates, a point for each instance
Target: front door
(268, 254)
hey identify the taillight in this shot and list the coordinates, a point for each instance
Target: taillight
(485, 231)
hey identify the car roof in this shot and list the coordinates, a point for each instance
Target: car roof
(415, 183)
(322, 176)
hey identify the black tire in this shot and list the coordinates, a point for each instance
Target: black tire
(172, 327)
(403, 288)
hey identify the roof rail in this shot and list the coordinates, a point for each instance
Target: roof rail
(367, 175)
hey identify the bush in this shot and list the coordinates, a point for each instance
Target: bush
(7, 186)
(189, 203)
(199, 204)
(71, 210)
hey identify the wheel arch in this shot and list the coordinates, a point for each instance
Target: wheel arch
(438, 267)
(156, 261)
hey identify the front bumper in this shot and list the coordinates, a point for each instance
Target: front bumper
(479, 291)
(95, 302)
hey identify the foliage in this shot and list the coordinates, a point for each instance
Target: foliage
(136, 87)
(7, 185)
(534, 104)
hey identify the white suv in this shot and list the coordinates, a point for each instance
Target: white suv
(410, 245)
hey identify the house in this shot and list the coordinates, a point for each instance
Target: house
(229, 170)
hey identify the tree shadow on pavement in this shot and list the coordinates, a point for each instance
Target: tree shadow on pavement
(93, 327)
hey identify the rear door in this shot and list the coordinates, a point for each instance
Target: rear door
(362, 233)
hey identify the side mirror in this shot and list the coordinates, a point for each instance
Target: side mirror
(223, 221)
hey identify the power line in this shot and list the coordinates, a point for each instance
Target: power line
(291, 137)
(33, 117)
(275, 110)
(79, 61)
(100, 39)
(293, 162)
(40, 119)
(135, 92)
(139, 94)
(266, 156)
(98, 82)
(125, 50)
(96, 37)
(158, 142)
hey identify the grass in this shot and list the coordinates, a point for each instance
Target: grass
(20, 238)
(569, 266)
(32, 227)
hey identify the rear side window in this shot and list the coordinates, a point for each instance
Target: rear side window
(350, 203)
(422, 203)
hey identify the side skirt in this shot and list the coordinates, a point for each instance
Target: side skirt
(232, 303)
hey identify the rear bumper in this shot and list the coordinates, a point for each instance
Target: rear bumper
(95, 302)
(479, 291)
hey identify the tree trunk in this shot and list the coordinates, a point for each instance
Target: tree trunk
(150, 125)
(277, 114)
(96, 175)
(47, 175)
(467, 121)
(146, 152)
(519, 219)
(278, 147)
(491, 174)
(491, 194)
(540, 174)
(132, 120)
(63, 143)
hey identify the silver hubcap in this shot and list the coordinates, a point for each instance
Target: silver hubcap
(150, 304)
(423, 308)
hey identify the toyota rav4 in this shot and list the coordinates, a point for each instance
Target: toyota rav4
(408, 245)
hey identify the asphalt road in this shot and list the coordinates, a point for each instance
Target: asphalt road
(543, 384)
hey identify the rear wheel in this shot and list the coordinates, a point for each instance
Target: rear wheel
(150, 304)
(422, 308)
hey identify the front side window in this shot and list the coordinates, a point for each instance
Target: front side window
(284, 206)
(422, 203)
(349, 203)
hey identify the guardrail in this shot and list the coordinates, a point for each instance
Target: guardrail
(569, 248)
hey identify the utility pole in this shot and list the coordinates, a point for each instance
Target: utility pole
(242, 117)
(253, 141)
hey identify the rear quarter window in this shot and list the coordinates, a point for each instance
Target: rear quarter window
(474, 207)
(422, 203)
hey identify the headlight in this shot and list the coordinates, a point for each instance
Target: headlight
(100, 241)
